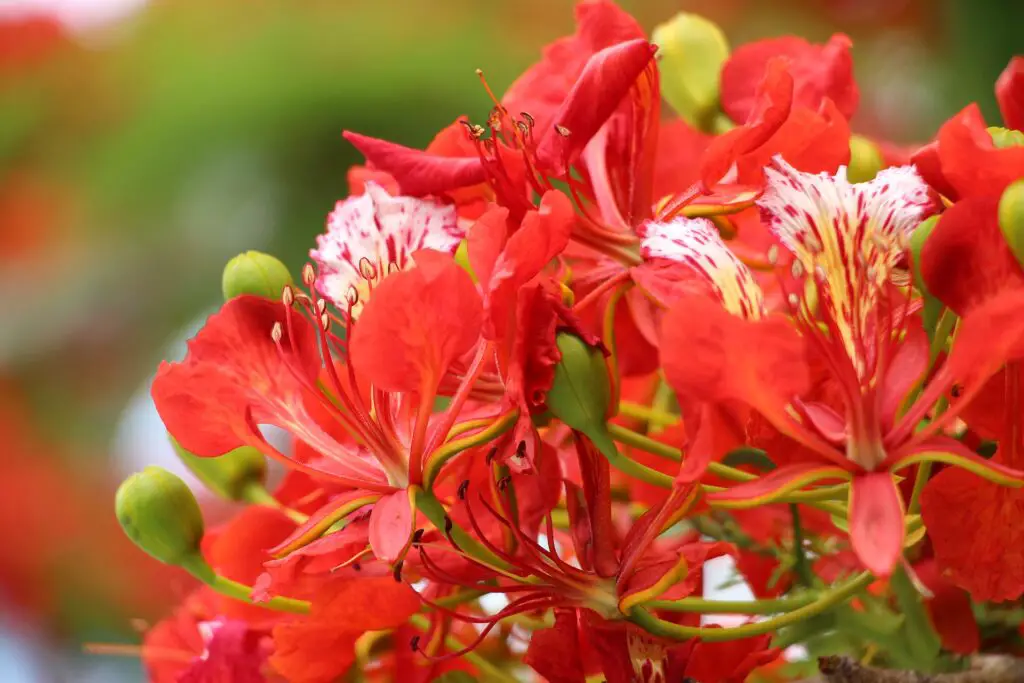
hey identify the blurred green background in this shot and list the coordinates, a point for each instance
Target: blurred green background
(144, 144)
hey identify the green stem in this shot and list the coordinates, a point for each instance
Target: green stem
(485, 667)
(800, 566)
(199, 568)
(826, 600)
(770, 606)
(649, 445)
(256, 494)
(642, 412)
(602, 439)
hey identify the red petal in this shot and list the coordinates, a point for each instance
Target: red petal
(819, 72)
(876, 522)
(730, 661)
(928, 162)
(908, 364)
(989, 335)
(233, 651)
(974, 526)
(1010, 93)
(677, 166)
(604, 83)
(234, 378)
(415, 324)
(965, 259)
(320, 648)
(774, 102)
(812, 141)
(417, 172)
(486, 239)
(391, 525)
(970, 161)
(554, 652)
(543, 235)
(950, 610)
(711, 355)
(542, 88)
(232, 369)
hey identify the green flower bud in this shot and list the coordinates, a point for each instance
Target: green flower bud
(917, 240)
(1011, 218)
(691, 52)
(1003, 137)
(865, 160)
(231, 475)
(254, 272)
(932, 312)
(159, 513)
(580, 392)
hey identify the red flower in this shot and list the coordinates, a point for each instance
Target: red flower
(321, 647)
(818, 71)
(964, 161)
(967, 264)
(811, 139)
(259, 362)
(865, 337)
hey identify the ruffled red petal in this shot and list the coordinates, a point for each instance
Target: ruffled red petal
(819, 72)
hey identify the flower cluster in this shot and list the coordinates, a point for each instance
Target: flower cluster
(649, 313)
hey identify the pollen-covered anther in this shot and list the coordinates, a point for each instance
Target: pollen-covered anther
(276, 333)
(372, 235)
(287, 296)
(325, 321)
(366, 269)
(773, 255)
(321, 306)
(797, 270)
(562, 130)
(308, 274)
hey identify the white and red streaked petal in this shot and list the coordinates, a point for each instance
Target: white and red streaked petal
(373, 234)
(848, 236)
(695, 242)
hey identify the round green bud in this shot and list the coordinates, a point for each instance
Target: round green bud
(691, 52)
(865, 160)
(1011, 218)
(159, 513)
(581, 391)
(254, 272)
(1004, 137)
(231, 475)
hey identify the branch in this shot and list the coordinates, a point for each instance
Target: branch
(984, 669)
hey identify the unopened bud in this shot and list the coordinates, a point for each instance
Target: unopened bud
(231, 475)
(691, 52)
(917, 240)
(581, 391)
(1005, 137)
(159, 513)
(254, 272)
(1011, 218)
(865, 160)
